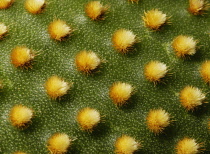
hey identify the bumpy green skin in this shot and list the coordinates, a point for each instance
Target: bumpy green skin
(57, 58)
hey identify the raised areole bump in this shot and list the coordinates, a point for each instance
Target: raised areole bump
(95, 10)
(184, 45)
(197, 7)
(4, 4)
(187, 146)
(191, 97)
(59, 30)
(120, 93)
(88, 118)
(59, 143)
(205, 71)
(154, 71)
(87, 61)
(35, 6)
(126, 145)
(20, 116)
(154, 19)
(123, 40)
(56, 87)
(3, 30)
(157, 120)
(22, 56)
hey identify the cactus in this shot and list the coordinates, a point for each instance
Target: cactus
(113, 76)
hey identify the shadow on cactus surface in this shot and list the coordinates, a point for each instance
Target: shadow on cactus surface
(26, 86)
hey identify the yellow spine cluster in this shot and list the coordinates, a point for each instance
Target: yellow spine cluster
(198, 7)
(120, 93)
(187, 146)
(154, 19)
(123, 40)
(4, 4)
(157, 120)
(191, 97)
(20, 116)
(126, 145)
(87, 61)
(58, 30)
(56, 87)
(59, 143)
(95, 10)
(88, 118)
(184, 45)
(34, 6)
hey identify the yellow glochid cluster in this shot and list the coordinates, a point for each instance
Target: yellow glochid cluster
(205, 71)
(184, 45)
(4, 4)
(20, 116)
(126, 145)
(22, 56)
(35, 6)
(157, 120)
(95, 10)
(120, 93)
(59, 143)
(56, 87)
(87, 61)
(154, 19)
(191, 97)
(187, 146)
(123, 40)
(154, 71)
(198, 7)
(59, 30)
(88, 118)
(3, 30)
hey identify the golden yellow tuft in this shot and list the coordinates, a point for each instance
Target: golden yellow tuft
(187, 146)
(88, 118)
(22, 56)
(59, 143)
(157, 120)
(205, 71)
(154, 71)
(191, 97)
(19, 152)
(126, 145)
(56, 87)
(20, 116)
(3, 30)
(4, 4)
(120, 92)
(34, 6)
(154, 19)
(123, 40)
(95, 10)
(58, 30)
(87, 61)
(184, 45)
(197, 7)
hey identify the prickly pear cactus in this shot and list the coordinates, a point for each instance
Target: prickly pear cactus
(111, 91)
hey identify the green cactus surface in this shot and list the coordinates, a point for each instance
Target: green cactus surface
(26, 85)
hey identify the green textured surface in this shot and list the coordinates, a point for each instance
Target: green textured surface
(57, 58)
